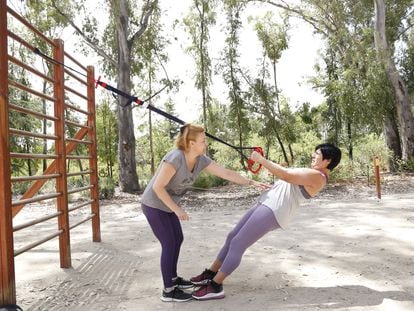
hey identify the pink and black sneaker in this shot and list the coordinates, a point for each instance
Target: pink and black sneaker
(203, 278)
(211, 290)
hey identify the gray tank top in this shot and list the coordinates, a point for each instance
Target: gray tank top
(179, 184)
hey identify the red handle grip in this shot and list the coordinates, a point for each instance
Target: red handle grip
(250, 162)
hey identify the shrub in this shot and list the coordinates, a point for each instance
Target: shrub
(106, 188)
(205, 180)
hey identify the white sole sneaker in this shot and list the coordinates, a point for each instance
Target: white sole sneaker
(168, 299)
(209, 296)
(185, 286)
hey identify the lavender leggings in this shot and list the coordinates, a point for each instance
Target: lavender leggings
(167, 229)
(258, 221)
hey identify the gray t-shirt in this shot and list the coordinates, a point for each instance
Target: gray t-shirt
(179, 183)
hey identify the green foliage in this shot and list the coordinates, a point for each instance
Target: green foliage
(272, 35)
(20, 188)
(198, 23)
(407, 62)
(405, 166)
(106, 188)
(366, 150)
(163, 136)
(205, 181)
(107, 139)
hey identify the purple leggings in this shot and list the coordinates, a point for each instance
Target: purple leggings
(258, 221)
(167, 229)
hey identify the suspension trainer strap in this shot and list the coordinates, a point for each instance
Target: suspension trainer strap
(139, 102)
(134, 99)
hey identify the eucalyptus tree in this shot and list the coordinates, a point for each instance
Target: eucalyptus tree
(333, 19)
(198, 23)
(274, 39)
(407, 63)
(262, 97)
(128, 27)
(238, 109)
(152, 56)
(127, 22)
(387, 32)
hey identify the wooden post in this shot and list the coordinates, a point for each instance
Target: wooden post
(61, 182)
(7, 273)
(93, 162)
(377, 177)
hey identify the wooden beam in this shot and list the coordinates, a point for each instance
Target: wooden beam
(61, 181)
(7, 273)
(93, 161)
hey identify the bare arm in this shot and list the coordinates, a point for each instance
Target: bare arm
(230, 175)
(164, 175)
(304, 176)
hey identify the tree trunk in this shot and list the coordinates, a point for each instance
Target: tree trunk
(402, 100)
(128, 177)
(279, 140)
(44, 130)
(203, 77)
(292, 155)
(350, 144)
(151, 139)
(276, 88)
(392, 140)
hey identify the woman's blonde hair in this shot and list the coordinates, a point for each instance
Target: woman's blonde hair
(187, 133)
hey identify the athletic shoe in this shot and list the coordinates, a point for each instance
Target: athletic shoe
(176, 295)
(203, 278)
(182, 283)
(211, 290)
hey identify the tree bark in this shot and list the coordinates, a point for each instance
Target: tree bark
(392, 140)
(402, 101)
(128, 177)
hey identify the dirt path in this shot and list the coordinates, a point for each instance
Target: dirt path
(355, 253)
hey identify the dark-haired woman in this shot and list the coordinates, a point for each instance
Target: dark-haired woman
(275, 209)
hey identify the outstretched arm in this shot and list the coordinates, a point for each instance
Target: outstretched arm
(303, 176)
(230, 175)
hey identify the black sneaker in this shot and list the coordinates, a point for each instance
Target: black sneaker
(176, 295)
(203, 278)
(182, 283)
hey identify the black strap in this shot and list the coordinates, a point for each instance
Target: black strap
(10, 307)
(134, 99)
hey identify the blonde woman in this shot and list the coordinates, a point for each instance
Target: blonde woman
(161, 201)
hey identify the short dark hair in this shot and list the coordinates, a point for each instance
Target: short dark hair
(330, 152)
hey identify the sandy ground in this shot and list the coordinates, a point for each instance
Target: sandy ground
(346, 250)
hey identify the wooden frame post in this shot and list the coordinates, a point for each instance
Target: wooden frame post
(93, 161)
(7, 273)
(377, 177)
(60, 146)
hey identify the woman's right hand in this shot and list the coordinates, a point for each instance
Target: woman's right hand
(256, 157)
(182, 214)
